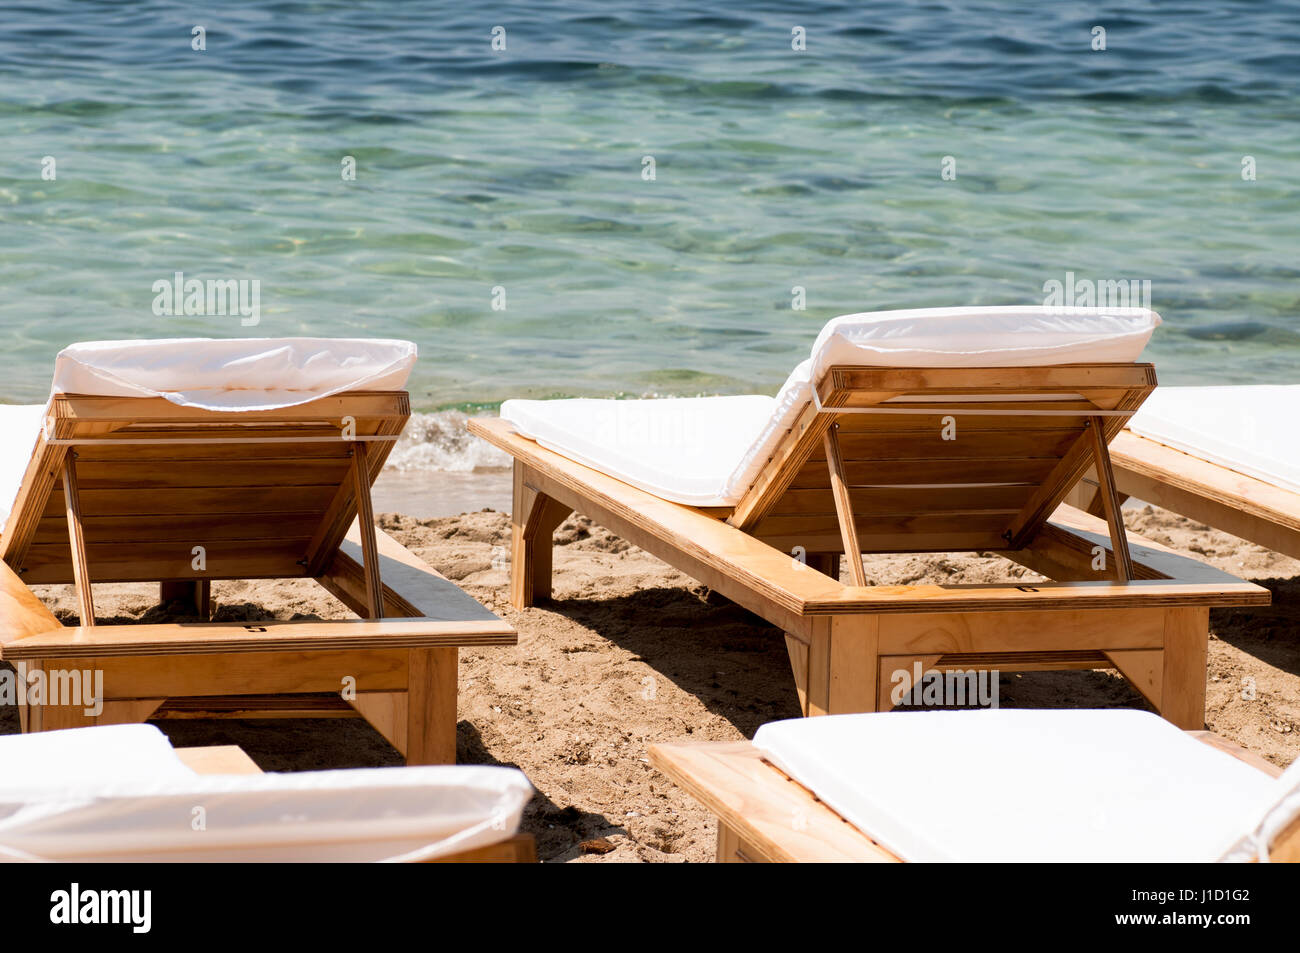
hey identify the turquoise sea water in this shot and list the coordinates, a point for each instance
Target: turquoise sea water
(523, 169)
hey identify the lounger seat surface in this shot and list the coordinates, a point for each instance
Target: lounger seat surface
(709, 451)
(1251, 429)
(121, 793)
(1026, 786)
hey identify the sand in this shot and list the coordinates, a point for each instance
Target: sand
(632, 652)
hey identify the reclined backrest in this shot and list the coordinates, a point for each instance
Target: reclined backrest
(205, 459)
(265, 493)
(939, 459)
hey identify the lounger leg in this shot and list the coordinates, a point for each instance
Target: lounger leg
(534, 517)
(431, 706)
(1182, 691)
(798, 650)
(732, 849)
(193, 592)
(843, 665)
(47, 717)
(826, 563)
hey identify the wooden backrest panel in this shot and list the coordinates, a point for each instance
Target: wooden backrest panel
(265, 493)
(1019, 441)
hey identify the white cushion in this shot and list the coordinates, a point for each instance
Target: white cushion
(120, 793)
(708, 451)
(1252, 429)
(682, 449)
(1025, 785)
(233, 373)
(20, 425)
(985, 337)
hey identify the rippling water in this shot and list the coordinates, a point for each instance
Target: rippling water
(523, 169)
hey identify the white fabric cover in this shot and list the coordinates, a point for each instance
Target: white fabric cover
(707, 451)
(1252, 430)
(233, 373)
(681, 448)
(984, 337)
(120, 793)
(1255, 843)
(1027, 786)
(20, 425)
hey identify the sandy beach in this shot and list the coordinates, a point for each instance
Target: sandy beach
(632, 652)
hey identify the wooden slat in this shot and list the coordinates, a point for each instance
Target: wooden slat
(1019, 470)
(121, 641)
(1110, 502)
(272, 454)
(970, 427)
(253, 501)
(844, 509)
(202, 707)
(907, 500)
(193, 529)
(929, 444)
(149, 562)
(175, 474)
(366, 528)
(892, 527)
(77, 541)
(245, 673)
(878, 384)
(910, 542)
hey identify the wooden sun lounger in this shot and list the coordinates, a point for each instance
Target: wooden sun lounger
(139, 489)
(756, 803)
(1213, 494)
(866, 469)
(232, 759)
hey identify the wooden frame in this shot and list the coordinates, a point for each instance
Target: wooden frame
(754, 802)
(899, 486)
(147, 486)
(1234, 502)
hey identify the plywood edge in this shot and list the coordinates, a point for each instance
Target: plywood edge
(778, 818)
